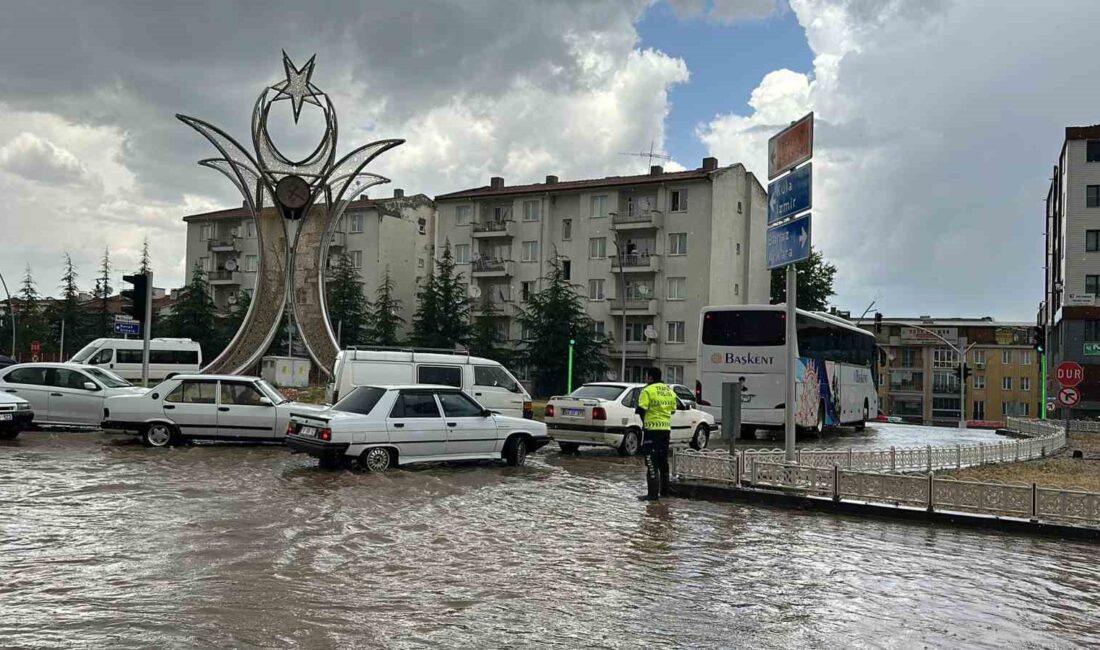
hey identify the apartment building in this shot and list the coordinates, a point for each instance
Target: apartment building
(647, 252)
(1071, 307)
(917, 370)
(394, 233)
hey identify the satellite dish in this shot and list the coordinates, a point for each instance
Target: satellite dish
(650, 333)
(232, 299)
(475, 291)
(642, 290)
(231, 265)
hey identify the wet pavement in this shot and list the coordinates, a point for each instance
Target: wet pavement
(105, 543)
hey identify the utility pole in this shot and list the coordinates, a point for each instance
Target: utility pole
(11, 313)
(792, 365)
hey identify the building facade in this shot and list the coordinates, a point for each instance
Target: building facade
(1071, 308)
(647, 252)
(918, 378)
(377, 234)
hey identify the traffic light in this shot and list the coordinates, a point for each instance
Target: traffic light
(1039, 337)
(878, 322)
(138, 296)
(962, 372)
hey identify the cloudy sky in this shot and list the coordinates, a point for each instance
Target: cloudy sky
(938, 120)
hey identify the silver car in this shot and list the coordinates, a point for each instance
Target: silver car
(65, 394)
(208, 407)
(15, 416)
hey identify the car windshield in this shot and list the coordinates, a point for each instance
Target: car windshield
(272, 393)
(361, 400)
(85, 353)
(107, 378)
(597, 391)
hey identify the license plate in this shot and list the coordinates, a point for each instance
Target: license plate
(5, 417)
(573, 412)
(309, 432)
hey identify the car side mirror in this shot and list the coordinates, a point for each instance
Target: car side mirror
(265, 401)
(89, 385)
(680, 406)
(485, 413)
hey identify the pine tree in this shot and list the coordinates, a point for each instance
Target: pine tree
(144, 266)
(442, 318)
(348, 308)
(194, 316)
(103, 293)
(486, 338)
(386, 319)
(66, 315)
(29, 317)
(550, 319)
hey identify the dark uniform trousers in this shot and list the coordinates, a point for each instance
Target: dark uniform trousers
(655, 449)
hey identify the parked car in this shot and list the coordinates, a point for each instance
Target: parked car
(383, 426)
(65, 394)
(208, 407)
(15, 416)
(486, 380)
(602, 414)
(6, 361)
(167, 357)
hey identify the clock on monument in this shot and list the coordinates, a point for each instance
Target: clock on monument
(293, 194)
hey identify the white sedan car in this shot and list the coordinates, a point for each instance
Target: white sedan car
(602, 414)
(15, 416)
(383, 426)
(209, 407)
(65, 394)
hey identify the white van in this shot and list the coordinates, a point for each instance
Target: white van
(123, 357)
(485, 380)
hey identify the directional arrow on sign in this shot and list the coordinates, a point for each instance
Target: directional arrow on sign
(802, 239)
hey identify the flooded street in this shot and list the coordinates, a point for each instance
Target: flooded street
(105, 543)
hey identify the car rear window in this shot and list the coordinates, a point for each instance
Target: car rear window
(598, 392)
(361, 400)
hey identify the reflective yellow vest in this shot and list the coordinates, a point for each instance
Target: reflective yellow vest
(659, 403)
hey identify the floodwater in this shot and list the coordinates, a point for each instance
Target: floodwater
(105, 543)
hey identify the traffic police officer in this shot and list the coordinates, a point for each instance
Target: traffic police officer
(656, 404)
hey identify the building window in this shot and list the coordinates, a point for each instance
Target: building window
(597, 248)
(1025, 383)
(567, 269)
(462, 215)
(979, 382)
(674, 375)
(676, 288)
(1092, 151)
(530, 251)
(1092, 240)
(566, 229)
(1004, 409)
(738, 207)
(357, 259)
(356, 223)
(676, 331)
(204, 263)
(420, 263)
(979, 357)
(979, 409)
(678, 201)
(635, 332)
(599, 206)
(526, 289)
(1092, 196)
(250, 230)
(1025, 357)
(595, 290)
(462, 253)
(945, 407)
(907, 406)
(944, 358)
(946, 382)
(501, 213)
(677, 243)
(1092, 330)
(738, 248)
(206, 232)
(907, 380)
(1024, 409)
(599, 328)
(736, 288)
(1092, 285)
(530, 210)
(910, 358)
(251, 263)
(1006, 357)
(1006, 383)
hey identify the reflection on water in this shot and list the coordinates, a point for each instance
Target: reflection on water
(105, 543)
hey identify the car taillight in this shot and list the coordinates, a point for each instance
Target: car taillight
(325, 434)
(549, 410)
(599, 413)
(291, 429)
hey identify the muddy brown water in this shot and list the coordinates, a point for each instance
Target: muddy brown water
(104, 543)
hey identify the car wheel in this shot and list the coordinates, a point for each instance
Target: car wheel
(629, 445)
(515, 452)
(569, 447)
(159, 435)
(9, 435)
(376, 459)
(702, 436)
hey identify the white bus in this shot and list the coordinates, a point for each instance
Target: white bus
(836, 372)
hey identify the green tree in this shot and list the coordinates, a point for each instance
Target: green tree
(486, 337)
(29, 317)
(442, 318)
(195, 317)
(386, 319)
(103, 318)
(815, 283)
(348, 309)
(66, 315)
(143, 265)
(550, 319)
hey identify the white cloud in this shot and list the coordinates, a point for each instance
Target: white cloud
(40, 160)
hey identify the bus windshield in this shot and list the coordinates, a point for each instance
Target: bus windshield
(744, 328)
(85, 353)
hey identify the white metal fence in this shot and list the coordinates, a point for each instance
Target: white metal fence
(864, 475)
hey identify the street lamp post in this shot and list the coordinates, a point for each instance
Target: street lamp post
(11, 313)
(962, 366)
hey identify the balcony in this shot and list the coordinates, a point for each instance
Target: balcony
(223, 245)
(504, 307)
(339, 240)
(636, 263)
(492, 230)
(640, 220)
(633, 306)
(491, 268)
(223, 277)
(634, 349)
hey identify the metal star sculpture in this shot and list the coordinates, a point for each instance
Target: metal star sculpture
(296, 205)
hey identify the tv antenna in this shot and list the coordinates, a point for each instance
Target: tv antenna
(650, 155)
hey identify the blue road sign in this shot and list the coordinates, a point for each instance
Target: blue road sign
(789, 242)
(791, 194)
(131, 328)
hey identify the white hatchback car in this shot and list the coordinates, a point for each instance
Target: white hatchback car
(383, 426)
(209, 407)
(65, 394)
(602, 414)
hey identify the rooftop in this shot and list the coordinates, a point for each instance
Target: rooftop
(243, 212)
(925, 321)
(1082, 132)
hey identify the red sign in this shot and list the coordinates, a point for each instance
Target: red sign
(36, 347)
(1069, 396)
(793, 146)
(1069, 373)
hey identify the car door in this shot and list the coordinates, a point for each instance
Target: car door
(29, 382)
(75, 398)
(497, 391)
(415, 425)
(244, 412)
(192, 407)
(470, 432)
